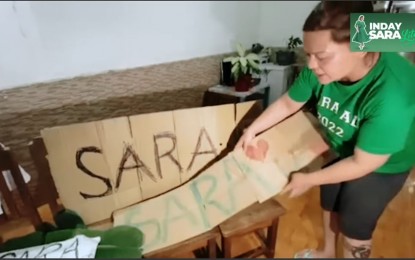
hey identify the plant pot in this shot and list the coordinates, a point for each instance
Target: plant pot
(285, 57)
(244, 83)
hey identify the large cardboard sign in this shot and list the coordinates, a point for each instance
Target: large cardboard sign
(110, 164)
(99, 167)
(227, 187)
(204, 202)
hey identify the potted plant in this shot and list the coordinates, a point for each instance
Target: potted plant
(287, 57)
(244, 64)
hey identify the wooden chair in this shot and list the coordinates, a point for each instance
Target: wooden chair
(14, 217)
(49, 195)
(253, 220)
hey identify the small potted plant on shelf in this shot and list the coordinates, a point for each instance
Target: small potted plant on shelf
(287, 57)
(243, 66)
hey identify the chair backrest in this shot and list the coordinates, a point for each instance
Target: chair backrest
(39, 156)
(10, 209)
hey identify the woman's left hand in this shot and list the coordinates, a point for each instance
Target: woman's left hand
(299, 184)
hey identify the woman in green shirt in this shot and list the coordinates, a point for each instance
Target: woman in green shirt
(366, 103)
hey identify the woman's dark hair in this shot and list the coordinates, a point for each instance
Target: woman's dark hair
(335, 16)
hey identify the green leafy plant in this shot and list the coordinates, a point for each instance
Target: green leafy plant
(244, 63)
(288, 56)
(294, 42)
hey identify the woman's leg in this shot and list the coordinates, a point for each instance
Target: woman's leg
(361, 203)
(329, 195)
(331, 232)
(328, 201)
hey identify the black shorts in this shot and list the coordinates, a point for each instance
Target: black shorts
(359, 203)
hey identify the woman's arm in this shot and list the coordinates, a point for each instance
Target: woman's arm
(353, 167)
(289, 103)
(350, 168)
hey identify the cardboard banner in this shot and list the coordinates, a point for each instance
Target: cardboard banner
(172, 173)
(227, 187)
(102, 166)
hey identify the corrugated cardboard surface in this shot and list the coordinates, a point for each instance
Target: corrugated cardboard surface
(175, 163)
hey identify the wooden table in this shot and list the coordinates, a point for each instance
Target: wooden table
(219, 95)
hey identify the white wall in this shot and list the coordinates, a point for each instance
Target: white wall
(281, 19)
(45, 41)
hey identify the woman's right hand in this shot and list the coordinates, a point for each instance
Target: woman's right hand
(275, 113)
(245, 139)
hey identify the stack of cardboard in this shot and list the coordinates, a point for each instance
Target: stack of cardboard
(175, 174)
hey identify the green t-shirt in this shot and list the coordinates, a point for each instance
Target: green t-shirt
(375, 114)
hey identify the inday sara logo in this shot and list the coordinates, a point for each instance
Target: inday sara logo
(385, 31)
(393, 30)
